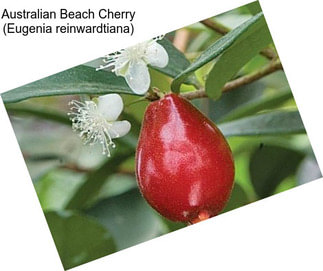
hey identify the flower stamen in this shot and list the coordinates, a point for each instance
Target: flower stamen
(92, 126)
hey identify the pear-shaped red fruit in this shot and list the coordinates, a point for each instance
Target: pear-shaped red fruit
(184, 165)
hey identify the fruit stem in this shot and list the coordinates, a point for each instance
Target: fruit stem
(154, 94)
(135, 101)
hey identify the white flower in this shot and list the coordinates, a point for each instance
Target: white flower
(97, 122)
(131, 63)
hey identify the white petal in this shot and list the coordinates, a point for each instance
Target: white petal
(110, 106)
(121, 70)
(119, 128)
(156, 55)
(121, 64)
(138, 77)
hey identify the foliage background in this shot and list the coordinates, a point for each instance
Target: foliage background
(92, 204)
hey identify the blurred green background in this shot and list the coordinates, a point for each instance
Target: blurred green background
(92, 203)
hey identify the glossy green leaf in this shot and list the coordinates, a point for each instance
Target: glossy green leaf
(249, 44)
(270, 165)
(78, 80)
(78, 239)
(129, 219)
(91, 187)
(256, 105)
(272, 123)
(216, 49)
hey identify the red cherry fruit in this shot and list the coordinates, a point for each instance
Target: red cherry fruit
(184, 165)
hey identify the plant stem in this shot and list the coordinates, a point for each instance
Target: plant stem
(221, 29)
(216, 26)
(268, 69)
(135, 101)
(273, 66)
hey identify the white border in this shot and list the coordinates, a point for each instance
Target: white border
(283, 232)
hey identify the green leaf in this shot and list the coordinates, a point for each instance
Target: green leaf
(78, 80)
(78, 239)
(253, 7)
(115, 185)
(177, 60)
(96, 179)
(129, 219)
(216, 49)
(171, 225)
(249, 44)
(257, 105)
(270, 165)
(232, 100)
(55, 188)
(272, 123)
(84, 79)
(237, 199)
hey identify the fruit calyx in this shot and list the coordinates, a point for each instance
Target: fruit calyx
(154, 94)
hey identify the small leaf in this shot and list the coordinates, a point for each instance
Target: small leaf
(249, 44)
(272, 123)
(78, 80)
(78, 239)
(215, 50)
(129, 219)
(270, 165)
